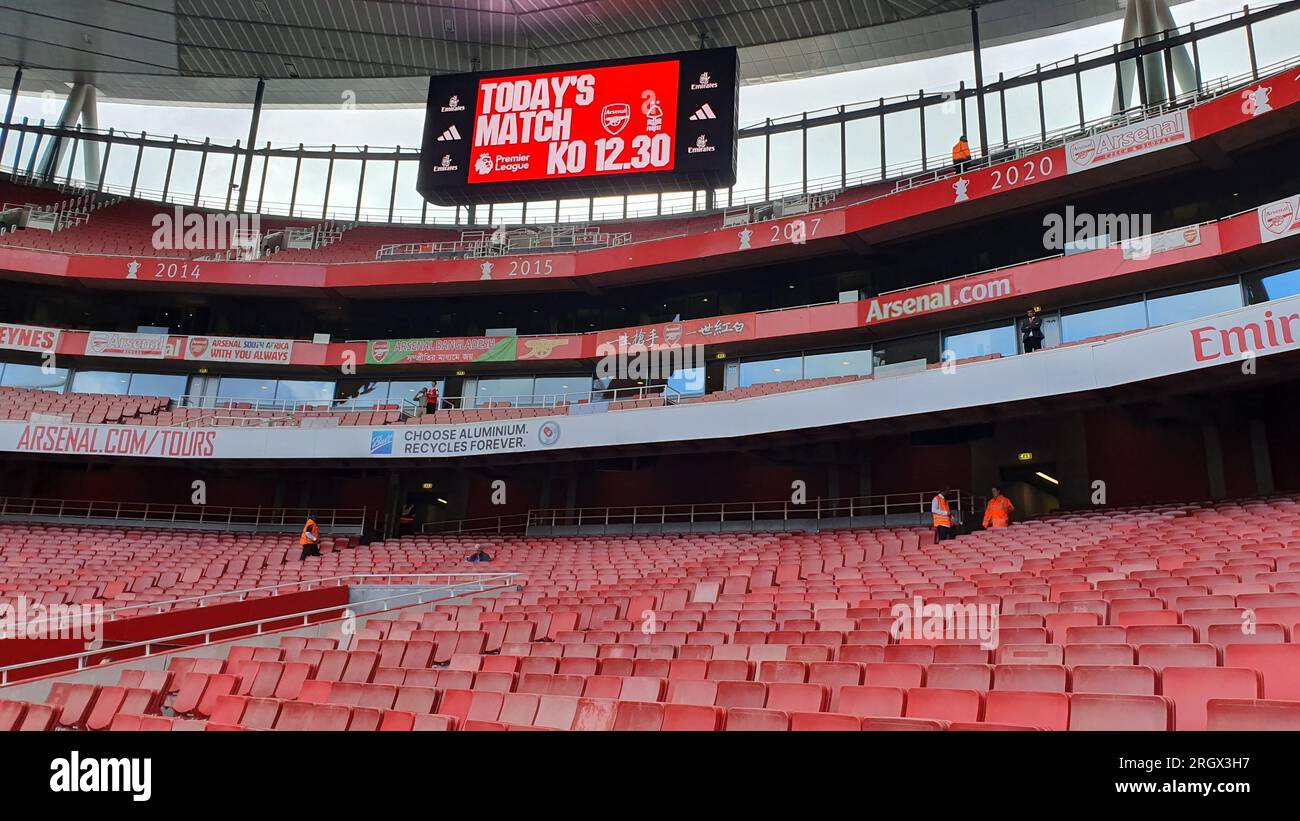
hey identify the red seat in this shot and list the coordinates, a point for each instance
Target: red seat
(868, 700)
(1119, 679)
(943, 704)
(1049, 678)
(1050, 711)
(877, 723)
(11, 715)
(1191, 687)
(74, 700)
(1099, 654)
(1278, 664)
(886, 674)
(1159, 656)
(748, 718)
(824, 721)
(741, 694)
(792, 698)
(959, 676)
(556, 712)
(595, 714)
(638, 716)
(1110, 711)
(692, 717)
(39, 718)
(1252, 714)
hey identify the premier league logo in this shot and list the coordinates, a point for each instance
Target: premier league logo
(483, 165)
(615, 117)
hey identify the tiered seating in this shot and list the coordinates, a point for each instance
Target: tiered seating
(122, 567)
(18, 404)
(769, 388)
(124, 228)
(1108, 620)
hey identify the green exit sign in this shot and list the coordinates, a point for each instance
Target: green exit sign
(1026, 457)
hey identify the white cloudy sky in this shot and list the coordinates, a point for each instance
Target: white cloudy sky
(389, 127)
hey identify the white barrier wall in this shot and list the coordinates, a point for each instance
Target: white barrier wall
(1235, 336)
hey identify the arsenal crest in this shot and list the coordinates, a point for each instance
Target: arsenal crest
(615, 117)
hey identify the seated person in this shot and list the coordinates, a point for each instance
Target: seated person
(479, 555)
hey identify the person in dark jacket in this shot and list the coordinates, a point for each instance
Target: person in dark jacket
(479, 555)
(1031, 332)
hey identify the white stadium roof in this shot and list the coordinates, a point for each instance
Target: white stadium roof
(197, 52)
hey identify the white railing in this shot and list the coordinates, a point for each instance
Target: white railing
(480, 243)
(161, 515)
(475, 583)
(552, 400)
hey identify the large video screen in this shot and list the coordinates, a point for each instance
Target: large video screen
(665, 123)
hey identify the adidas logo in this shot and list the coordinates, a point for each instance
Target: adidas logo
(450, 134)
(704, 112)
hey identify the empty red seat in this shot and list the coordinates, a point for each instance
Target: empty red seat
(886, 674)
(741, 694)
(748, 718)
(1119, 679)
(74, 700)
(638, 716)
(692, 717)
(792, 698)
(1110, 711)
(1191, 687)
(824, 722)
(959, 676)
(1159, 656)
(1277, 664)
(1049, 678)
(1050, 711)
(944, 704)
(870, 700)
(1252, 714)
(877, 724)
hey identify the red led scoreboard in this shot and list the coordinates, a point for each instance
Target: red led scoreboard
(665, 123)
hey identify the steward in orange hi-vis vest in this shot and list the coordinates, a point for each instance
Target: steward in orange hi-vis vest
(961, 151)
(998, 511)
(941, 512)
(309, 539)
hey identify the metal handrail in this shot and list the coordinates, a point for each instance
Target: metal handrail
(780, 510)
(453, 591)
(310, 584)
(707, 512)
(156, 513)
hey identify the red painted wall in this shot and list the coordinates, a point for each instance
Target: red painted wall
(898, 466)
(1145, 463)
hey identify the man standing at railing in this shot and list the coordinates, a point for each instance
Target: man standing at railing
(961, 155)
(310, 539)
